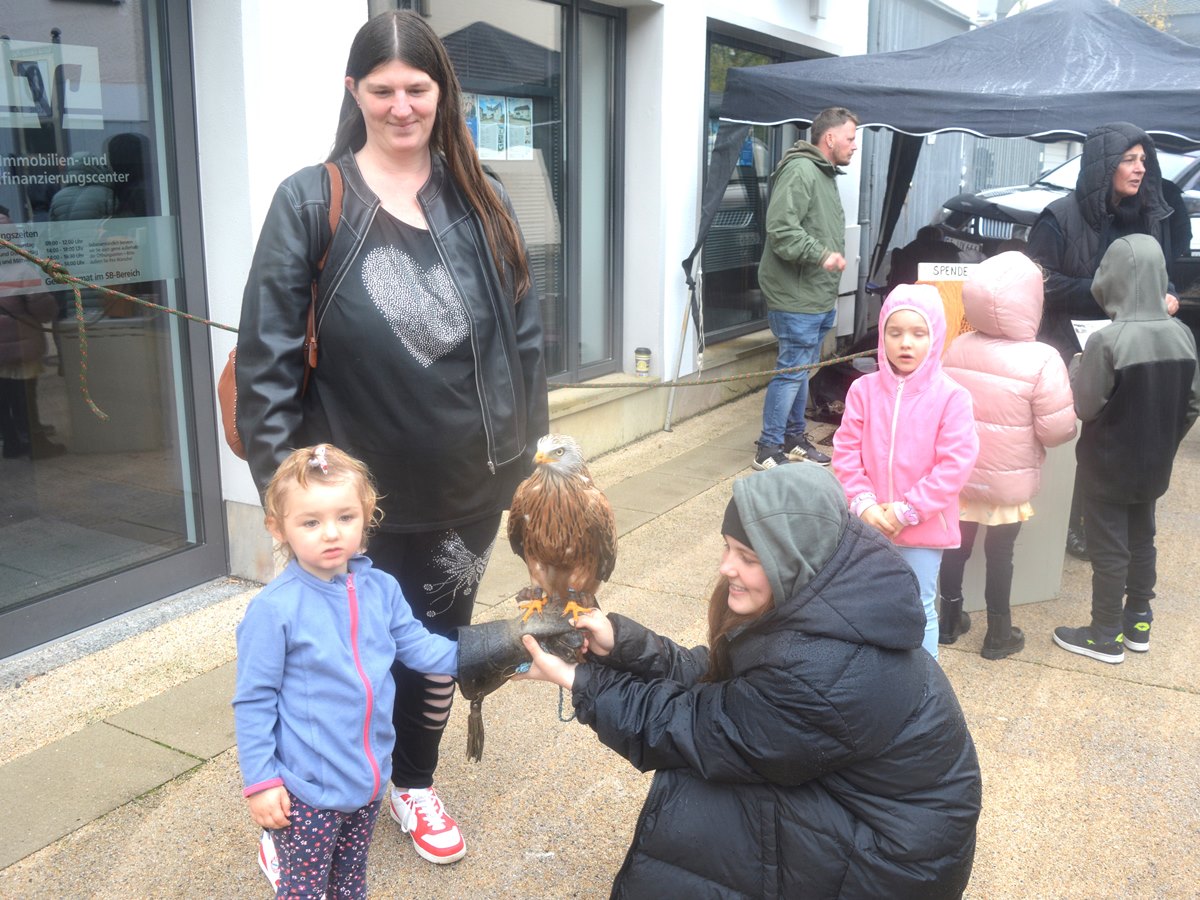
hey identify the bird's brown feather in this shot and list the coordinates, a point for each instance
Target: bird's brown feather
(564, 528)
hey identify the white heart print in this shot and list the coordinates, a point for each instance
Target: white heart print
(422, 307)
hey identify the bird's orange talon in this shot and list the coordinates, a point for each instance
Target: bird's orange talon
(574, 610)
(531, 607)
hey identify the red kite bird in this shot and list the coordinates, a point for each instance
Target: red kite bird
(563, 526)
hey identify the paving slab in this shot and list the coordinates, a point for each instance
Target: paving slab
(631, 519)
(741, 436)
(1089, 770)
(195, 718)
(52, 791)
(1083, 774)
(505, 575)
(655, 492)
(707, 461)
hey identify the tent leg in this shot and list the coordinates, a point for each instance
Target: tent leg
(687, 311)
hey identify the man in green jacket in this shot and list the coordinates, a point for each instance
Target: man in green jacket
(799, 273)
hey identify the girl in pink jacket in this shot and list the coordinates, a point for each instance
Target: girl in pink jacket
(1023, 405)
(907, 441)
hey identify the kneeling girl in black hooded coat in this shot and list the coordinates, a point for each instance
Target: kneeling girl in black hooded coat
(816, 750)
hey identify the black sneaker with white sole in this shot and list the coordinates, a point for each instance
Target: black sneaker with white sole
(768, 458)
(1087, 641)
(801, 448)
(1137, 630)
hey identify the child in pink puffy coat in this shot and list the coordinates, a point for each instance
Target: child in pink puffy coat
(1022, 402)
(907, 441)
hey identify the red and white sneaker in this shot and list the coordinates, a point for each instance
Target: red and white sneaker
(421, 814)
(268, 859)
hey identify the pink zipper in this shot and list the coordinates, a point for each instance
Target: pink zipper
(891, 495)
(352, 595)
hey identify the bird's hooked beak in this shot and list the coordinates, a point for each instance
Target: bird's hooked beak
(540, 458)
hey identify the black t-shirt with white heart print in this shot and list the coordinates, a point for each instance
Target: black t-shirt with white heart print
(398, 313)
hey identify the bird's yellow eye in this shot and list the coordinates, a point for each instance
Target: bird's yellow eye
(559, 451)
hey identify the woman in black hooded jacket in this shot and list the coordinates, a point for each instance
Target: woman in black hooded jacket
(1119, 192)
(816, 750)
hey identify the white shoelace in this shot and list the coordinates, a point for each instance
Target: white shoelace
(427, 805)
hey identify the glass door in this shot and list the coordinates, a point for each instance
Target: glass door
(100, 475)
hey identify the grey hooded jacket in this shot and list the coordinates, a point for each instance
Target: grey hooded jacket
(1137, 384)
(835, 762)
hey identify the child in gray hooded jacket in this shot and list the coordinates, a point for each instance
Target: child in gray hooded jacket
(1137, 391)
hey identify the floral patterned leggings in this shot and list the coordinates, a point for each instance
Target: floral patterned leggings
(323, 853)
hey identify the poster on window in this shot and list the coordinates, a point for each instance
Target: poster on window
(520, 127)
(471, 116)
(493, 130)
(28, 73)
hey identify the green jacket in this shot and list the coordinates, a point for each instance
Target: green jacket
(805, 224)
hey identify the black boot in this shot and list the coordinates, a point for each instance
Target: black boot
(953, 622)
(1002, 638)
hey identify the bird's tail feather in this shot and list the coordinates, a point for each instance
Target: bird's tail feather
(475, 731)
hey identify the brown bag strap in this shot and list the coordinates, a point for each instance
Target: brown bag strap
(335, 216)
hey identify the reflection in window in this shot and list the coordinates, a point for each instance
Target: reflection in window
(733, 303)
(509, 57)
(82, 182)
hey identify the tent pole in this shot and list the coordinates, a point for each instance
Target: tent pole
(687, 311)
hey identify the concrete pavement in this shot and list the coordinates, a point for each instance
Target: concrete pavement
(120, 780)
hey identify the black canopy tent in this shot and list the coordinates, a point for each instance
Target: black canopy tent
(1050, 73)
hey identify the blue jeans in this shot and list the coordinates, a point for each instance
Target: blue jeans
(800, 336)
(925, 563)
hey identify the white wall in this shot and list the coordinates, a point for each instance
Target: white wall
(268, 90)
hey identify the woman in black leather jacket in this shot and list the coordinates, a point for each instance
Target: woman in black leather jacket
(430, 366)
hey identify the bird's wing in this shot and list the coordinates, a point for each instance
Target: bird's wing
(600, 524)
(524, 499)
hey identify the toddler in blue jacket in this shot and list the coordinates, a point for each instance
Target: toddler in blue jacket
(314, 695)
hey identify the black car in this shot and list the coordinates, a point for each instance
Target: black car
(978, 223)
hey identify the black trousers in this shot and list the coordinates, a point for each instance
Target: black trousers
(998, 552)
(1120, 540)
(15, 431)
(439, 573)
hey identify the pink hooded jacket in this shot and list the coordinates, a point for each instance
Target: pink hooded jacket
(911, 438)
(1019, 387)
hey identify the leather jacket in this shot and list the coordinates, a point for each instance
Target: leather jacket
(506, 336)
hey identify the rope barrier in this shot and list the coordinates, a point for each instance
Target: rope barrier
(59, 274)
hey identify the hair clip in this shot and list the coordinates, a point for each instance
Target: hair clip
(318, 460)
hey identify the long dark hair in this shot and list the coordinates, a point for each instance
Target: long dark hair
(721, 621)
(405, 36)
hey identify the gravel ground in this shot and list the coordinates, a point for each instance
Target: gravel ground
(1089, 770)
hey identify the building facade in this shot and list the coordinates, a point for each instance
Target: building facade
(142, 142)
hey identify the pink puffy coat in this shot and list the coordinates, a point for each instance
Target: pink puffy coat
(1021, 394)
(909, 438)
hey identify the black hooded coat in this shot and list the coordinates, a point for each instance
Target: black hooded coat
(835, 762)
(1071, 235)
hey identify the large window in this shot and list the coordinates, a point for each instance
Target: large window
(733, 303)
(101, 507)
(541, 83)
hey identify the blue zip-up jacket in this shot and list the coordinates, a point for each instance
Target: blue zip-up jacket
(314, 695)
